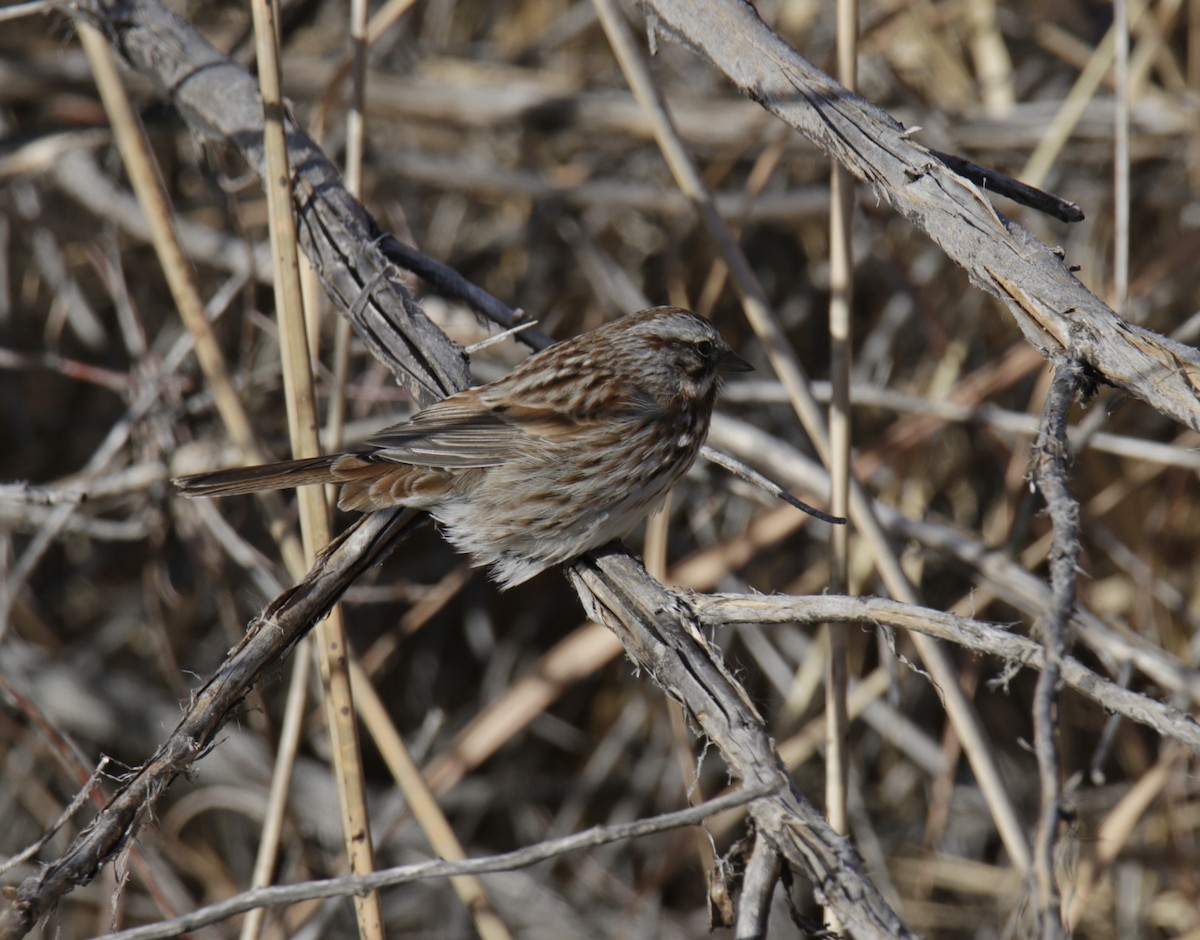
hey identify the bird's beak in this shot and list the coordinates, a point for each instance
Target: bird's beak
(729, 361)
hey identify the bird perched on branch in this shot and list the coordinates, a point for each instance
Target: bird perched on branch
(569, 450)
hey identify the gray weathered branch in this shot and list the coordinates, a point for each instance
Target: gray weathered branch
(1057, 314)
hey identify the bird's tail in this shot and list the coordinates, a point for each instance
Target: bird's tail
(272, 476)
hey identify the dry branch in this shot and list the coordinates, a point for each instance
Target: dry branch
(986, 638)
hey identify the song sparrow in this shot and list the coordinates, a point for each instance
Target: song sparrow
(564, 453)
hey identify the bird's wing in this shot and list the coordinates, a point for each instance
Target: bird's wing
(449, 434)
(457, 435)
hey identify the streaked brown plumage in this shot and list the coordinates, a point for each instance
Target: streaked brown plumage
(562, 454)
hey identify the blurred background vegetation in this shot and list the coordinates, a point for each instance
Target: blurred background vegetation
(502, 140)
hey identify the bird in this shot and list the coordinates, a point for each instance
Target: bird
(562, 454)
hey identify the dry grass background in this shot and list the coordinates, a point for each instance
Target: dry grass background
(502, 140)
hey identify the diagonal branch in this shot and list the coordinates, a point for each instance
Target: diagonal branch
(218, 98)
(288, 619)
(1056, 313)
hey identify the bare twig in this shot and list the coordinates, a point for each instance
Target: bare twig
(841, 429)
(77, 801)
(32, 8)
(300, 398)
(740, 470)
(1010, 579)
(992, 181)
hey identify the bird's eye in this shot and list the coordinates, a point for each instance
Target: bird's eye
(704, 348)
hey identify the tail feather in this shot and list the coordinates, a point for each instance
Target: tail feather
(272, 476)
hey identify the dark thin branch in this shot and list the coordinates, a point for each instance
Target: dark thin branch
(995, 182)
(444, 279)
(739, 469)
